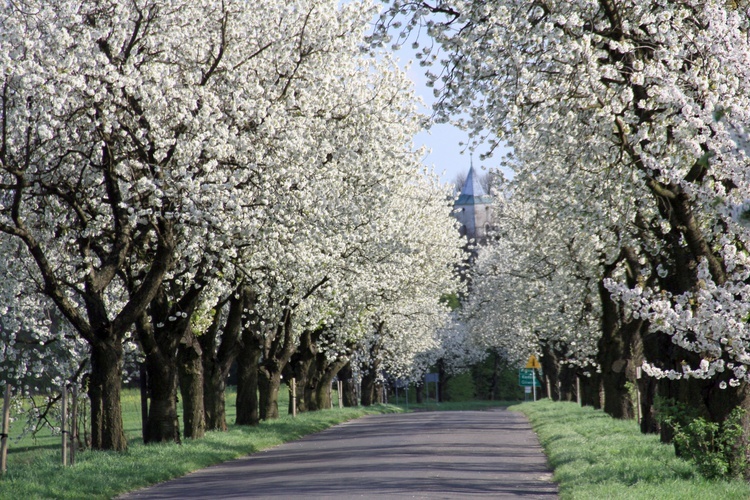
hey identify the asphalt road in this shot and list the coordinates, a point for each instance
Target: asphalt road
(472, 454)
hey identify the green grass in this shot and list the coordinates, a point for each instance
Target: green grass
(595, 456)
(34, 469)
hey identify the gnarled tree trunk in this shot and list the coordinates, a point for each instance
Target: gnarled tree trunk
(278, 350)
(348, 386)
(190, 373)
(105, 387)
(323, 389)
(247, 379)
(219, 353)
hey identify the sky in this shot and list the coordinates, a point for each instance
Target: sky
(443, 141)
(445, 153)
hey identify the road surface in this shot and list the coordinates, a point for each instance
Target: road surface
(428, 455)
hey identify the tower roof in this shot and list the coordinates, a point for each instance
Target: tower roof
(472, 193)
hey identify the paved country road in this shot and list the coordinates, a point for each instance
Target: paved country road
(471, 454)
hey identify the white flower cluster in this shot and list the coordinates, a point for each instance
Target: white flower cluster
(628, 123)
(193, 145)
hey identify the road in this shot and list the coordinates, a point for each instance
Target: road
(429, 455)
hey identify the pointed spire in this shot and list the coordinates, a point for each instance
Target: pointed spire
(472, 187)
(472, 192)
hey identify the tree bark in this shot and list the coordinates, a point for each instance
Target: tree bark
(614, 357)
(278, 350)
(105, 386)
(367, 394)
(443, 379)
(301, 367)
(347, 381)
(160, 333)
(323, 389)
(419, 390)
(247, 379)
(190, 372)
(219, 353)
(590, 386)
(163, 424)
(269, 382)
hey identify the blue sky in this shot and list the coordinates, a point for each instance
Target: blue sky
(443, 141)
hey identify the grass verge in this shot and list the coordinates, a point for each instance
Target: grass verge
(595, 456)
(106, 474)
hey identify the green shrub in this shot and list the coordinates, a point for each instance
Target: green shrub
(460, 388)
(717, 448)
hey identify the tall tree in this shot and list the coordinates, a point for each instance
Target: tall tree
(648, 99)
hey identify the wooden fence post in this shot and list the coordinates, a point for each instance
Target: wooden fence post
(6, 431)
(294, 397)
(63, 423)
(74, 425)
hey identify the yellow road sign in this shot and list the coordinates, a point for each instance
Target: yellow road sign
(533, 363)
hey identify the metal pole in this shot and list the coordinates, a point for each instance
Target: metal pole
(578, 389)
(533, 383)
(6, 431)
(340, 387)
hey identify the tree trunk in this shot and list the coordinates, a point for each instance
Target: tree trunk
(159, 345)
(247, 380)
(495, 381)
(323, 390)
(419, 390)
(614, 357)
(347, 381)
(443, 379)
(567, 383)
(590, 385)
(269, 383)
(190, 371)
(105, 384)
(278, 350)
(219, 353)
(301, 367)
(163, 424)
(214, 400)
(551, 369)
(368, 388)
(160, 333)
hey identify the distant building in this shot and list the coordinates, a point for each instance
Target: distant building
(473, 209)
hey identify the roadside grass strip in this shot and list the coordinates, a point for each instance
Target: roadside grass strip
(99, 475)
(595, 456)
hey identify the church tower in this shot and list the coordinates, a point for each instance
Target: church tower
(473, 209)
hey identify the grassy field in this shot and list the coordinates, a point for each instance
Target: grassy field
(595, 457)
(34, 469)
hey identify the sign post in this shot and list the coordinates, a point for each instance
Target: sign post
(527, 376)
(533, 363)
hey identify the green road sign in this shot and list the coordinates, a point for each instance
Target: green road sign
(526, 378)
